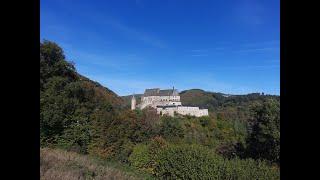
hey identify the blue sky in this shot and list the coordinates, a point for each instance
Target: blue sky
(130, 45)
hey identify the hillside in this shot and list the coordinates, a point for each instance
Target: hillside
(213, 101)
(103, 92)
(232, 107)
(198, 97)
(68, 100)
(55, 69)
(58, 164)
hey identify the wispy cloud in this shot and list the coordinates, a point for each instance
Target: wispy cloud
(199, 50)
(261, 43)
(219, 48)
(119, 62)
(197, 55)
(100, 19)
(134, 33)
(249, 67)
(258, 49)
(238, 47)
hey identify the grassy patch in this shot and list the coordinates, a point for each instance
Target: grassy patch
(59, 164)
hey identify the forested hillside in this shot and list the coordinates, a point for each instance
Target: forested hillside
(79, 115)
(71, 106)
(230, 107)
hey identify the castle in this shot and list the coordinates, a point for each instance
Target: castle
(166, 102)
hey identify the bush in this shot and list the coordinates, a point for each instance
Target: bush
(249, 169)
(157, 144)
(171, 128)
(144, 155)
(140, 157)
(188, 162)
(196, 162)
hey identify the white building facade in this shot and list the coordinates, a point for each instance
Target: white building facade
(166, 102)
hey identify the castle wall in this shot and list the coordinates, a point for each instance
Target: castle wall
(155, 101)
(150, 99)
(184, 110)
(167, 111)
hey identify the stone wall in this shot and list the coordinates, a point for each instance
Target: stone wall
(183, 110)
(155, 101)
(160, 98)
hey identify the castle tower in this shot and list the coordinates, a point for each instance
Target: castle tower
(133, 103)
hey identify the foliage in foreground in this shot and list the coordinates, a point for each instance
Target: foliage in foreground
(197, 162)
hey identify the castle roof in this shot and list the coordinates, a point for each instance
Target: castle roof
(158, 92)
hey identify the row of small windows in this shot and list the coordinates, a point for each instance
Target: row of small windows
(149, 100)
(168, 99)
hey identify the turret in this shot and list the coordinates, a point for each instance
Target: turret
(133, 103)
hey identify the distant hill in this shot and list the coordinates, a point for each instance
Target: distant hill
(213, 100)
(201, 98)
(233, 107)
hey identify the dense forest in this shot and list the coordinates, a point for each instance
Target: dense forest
(239, 140)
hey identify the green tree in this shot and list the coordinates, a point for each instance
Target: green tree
(264, 140)
(171, 128)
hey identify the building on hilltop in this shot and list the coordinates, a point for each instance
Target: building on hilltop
(166, 102)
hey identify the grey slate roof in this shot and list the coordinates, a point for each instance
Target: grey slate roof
(151, 92)
(158, 92)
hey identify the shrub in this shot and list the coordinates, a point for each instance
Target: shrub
(171, 128)
(157, 144)
(249, 169)
(196, 162)
(123, 152)
(144, 156)
(140, 157)
(188, 162)
(205, 121)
